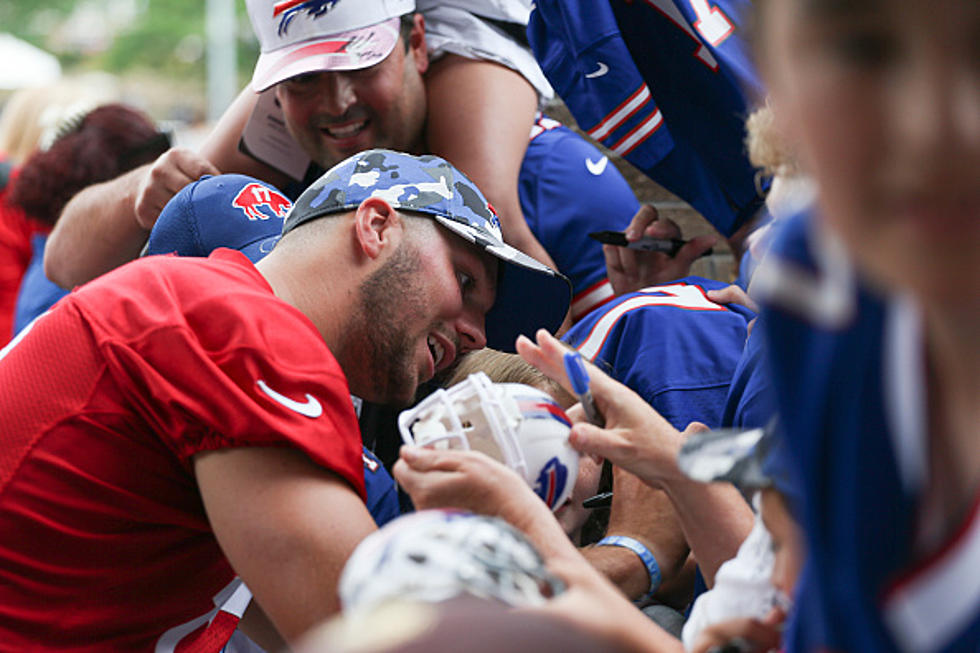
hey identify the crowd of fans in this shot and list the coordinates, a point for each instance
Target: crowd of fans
(208, 352)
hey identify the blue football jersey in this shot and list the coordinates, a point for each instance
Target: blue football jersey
(750, 402)
(848, 373)
(666, 84)
(671, 344)
(37, 293)
(568, 189)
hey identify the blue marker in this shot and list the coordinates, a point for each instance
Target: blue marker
(578, 376)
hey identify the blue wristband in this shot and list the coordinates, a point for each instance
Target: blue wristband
(644, 553)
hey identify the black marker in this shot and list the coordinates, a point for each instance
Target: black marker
(669, 246)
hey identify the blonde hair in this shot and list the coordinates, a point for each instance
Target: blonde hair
(501, 367)
(766, 147)
(30, 111)
(20, 126)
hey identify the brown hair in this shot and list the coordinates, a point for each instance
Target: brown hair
(109, 141)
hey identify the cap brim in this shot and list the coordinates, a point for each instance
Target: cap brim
(353, 50)
(530, 295)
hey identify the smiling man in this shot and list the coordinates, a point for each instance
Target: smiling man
(182, 421)
(352, 75)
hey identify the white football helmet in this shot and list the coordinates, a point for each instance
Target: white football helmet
(516, 424)
(435, 555)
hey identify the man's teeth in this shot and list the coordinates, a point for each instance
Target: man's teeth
(346, 131)
(437, 351)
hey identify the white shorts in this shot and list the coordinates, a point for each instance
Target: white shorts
(456, 27)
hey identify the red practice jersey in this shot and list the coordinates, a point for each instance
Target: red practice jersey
(104, 541)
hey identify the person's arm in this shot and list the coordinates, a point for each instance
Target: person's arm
(465, 479)
(286, 525)
(480, 115)
(221, 145)
(648, 516)
(106, 225)
(101, 227)
(715, 518)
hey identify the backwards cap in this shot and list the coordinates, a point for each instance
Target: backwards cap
(298, 37)
(530, 295)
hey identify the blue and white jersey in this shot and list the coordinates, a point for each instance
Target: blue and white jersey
(671, 344)
(568, 189)
(665, 84)
(849, 374)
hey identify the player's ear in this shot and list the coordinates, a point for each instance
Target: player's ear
(417, 49)
(377, 226)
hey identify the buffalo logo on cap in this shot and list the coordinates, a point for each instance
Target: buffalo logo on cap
(260, 202)
(289, 9)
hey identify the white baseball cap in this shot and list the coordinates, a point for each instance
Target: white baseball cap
(304, 36)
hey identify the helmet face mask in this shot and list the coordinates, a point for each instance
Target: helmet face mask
(516, 424)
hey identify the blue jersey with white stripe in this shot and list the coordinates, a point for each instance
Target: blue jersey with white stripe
(671, 344)
(663, 83)
(568, 189)
(851, 392)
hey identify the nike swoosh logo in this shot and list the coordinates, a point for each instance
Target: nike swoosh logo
(596, 167)
(310, 408)
(598, 72)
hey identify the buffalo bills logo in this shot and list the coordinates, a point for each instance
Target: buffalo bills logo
(551, 482)
(287, 10)
(541, 408)
(259, 202)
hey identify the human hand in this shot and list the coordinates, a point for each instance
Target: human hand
(743, 634)
(630, 269)
(172, 170)
(467, 480)
(635, 436)
(734, 295)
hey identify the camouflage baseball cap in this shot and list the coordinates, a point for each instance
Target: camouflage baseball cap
(530, 295)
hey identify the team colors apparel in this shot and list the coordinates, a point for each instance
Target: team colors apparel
(568, 189)
(16, 232)
(851, 392)
(671, 344)
(103, 537)
(663, 83)
(37, 293)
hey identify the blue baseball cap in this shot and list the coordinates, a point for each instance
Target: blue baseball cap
(232, 211)
(530, 295)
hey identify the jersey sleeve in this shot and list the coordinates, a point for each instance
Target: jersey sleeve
(209, 370)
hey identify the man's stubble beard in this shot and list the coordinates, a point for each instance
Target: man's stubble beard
(378, 344)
